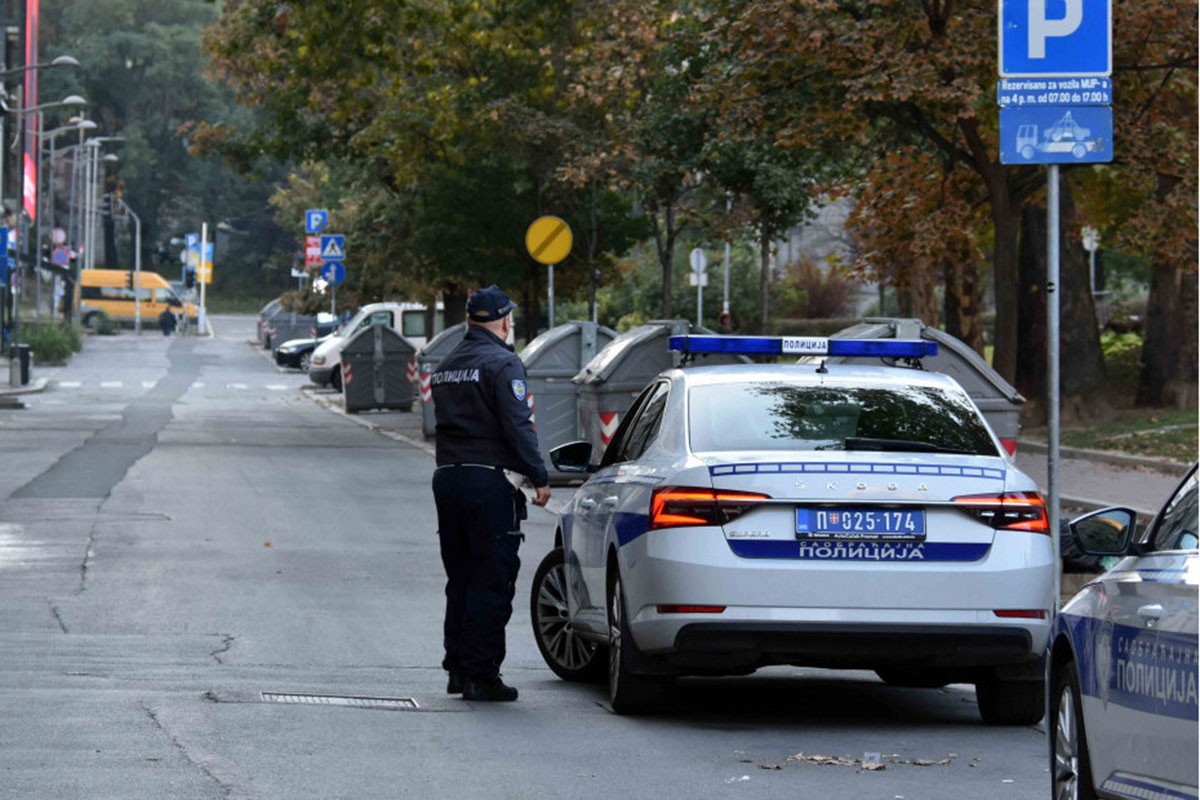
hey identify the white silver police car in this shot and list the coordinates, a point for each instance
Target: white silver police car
(844, 516)
(1123, 661)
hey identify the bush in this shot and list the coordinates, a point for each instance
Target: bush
(51, 343)
(1122, 356)
(101, 323)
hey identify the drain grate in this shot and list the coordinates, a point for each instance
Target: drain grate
(350, 701)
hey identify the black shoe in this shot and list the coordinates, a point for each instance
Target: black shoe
(454, 684)
(495, 690)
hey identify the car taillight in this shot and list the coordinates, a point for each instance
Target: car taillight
(676, 506)
(1011, 511)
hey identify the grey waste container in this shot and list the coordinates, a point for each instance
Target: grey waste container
(551, 362)
(284, 325)
(427, 360)
(612, 380)
(375, 370)
(995, 397)
(264, 314)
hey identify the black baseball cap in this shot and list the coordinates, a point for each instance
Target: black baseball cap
(489, 305)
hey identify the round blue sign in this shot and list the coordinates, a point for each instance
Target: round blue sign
(333, 272)
(61, 256)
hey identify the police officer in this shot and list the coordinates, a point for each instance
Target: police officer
(484, 427)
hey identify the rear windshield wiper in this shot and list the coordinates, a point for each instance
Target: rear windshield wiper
(899, 446)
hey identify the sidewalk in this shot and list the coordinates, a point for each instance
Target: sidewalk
(1089, 480)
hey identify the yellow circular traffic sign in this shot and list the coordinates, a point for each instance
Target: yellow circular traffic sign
(549, 240)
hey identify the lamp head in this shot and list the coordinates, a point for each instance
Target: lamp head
(64, 61)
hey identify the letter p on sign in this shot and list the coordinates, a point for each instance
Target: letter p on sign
(1041, 28)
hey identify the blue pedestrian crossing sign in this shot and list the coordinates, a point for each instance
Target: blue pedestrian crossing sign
(315, 220)
(1055, 38)
(333, 272)
(1056, 135)
(333, 247)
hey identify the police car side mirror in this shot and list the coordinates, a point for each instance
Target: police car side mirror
(1107, 532)
(573, 457)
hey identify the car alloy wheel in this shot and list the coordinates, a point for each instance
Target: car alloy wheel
(568, 655)
(305, 359)
(1069, 759)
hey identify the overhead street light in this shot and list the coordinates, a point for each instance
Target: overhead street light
(77, 123)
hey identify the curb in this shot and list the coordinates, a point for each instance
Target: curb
(34, 387)
(1164, 465)
(325, 402)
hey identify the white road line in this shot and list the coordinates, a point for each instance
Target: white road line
(277, 387)
(235, 386)
(70, 384)
(149, 384)
(198, 385)
(111, 384)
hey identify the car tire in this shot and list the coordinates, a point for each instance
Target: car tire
(335, 378)
(912, 678)
(91, 322)
(630, 693)
(1011, 702)
(568, 655)
(1070, 765)
(305, 360)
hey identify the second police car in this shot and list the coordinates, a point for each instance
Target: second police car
(1124, 662)
(847, 517)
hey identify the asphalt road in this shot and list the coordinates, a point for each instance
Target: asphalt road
(184, 530)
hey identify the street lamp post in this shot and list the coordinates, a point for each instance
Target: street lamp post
(20, 112)
(137, 267)
(79, 125)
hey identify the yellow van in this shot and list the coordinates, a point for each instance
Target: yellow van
(111, 291)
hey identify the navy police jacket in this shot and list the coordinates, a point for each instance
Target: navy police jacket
(483, 417)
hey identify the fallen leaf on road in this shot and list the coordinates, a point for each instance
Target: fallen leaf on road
(929, 762)
(770, 766)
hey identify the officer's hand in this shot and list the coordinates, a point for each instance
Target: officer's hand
(542, 497)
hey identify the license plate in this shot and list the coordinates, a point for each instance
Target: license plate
(884, 524)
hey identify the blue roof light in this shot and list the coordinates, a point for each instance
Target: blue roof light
(805, 346)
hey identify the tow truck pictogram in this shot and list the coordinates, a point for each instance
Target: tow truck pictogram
(1064, 136)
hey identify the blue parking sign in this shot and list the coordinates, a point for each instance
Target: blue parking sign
(315, 220)
(1055, 38)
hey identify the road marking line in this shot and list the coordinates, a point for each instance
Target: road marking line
(149, 384)
(111, 384)
(198, 385)
(235, 386)
(277, 387)
(70, 384)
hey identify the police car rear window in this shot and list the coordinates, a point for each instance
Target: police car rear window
(764, 416)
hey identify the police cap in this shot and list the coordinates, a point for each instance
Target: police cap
(489, 305)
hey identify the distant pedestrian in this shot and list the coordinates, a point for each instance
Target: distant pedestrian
(484, 426)
(167, 321)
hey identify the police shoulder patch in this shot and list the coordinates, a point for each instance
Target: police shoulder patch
(518, 389)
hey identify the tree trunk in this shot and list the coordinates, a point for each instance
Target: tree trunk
(1081, 360)
(664, 241)
(764, 278)
(1005, 270)
(454, 301)
(961, 313)
(1030, 379)
(1169, 363)
(1083, 373)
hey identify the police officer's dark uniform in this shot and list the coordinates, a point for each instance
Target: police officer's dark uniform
(484, 426)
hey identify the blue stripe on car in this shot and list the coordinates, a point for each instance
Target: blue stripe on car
(629, 526)
(859, 551)
(841, 467)
(1141, 788)
(1148, 670)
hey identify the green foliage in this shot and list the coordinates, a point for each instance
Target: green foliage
(51, 343)
(1122, 357)
(102, 324)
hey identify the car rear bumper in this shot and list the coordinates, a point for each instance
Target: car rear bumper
(721, 647)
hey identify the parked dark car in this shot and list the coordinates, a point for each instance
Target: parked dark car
(296, 353)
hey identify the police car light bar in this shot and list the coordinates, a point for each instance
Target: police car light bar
(804, 346)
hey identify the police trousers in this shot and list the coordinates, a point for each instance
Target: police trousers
(479, 527)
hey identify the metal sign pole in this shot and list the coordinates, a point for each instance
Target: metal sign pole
(1052, 369)
(550, 292)
(699, 300)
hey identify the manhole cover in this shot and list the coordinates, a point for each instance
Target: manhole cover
(351, 701)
